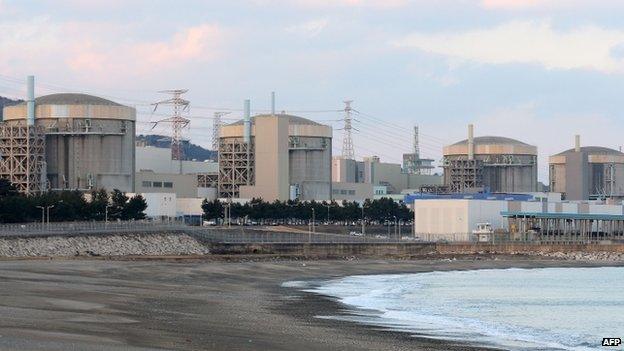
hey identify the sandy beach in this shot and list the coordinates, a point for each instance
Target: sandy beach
(199, 304)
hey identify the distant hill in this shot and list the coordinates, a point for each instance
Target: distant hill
(191, 151)
(7, 102)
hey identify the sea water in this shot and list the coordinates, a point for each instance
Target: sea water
(518, 309)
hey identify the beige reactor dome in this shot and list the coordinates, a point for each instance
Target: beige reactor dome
(490, 163)
(89, 140)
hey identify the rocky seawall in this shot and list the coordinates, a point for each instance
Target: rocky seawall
(582, 256)
(151, 244)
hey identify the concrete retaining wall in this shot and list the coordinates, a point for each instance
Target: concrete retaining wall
(403, 249)
(327, 250)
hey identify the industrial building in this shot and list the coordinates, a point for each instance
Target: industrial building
(514, 217)
(413, 163)
(157, 172)
(68, 141)
(379, 174)
(490, 163)
(588, 172)
(275, 157)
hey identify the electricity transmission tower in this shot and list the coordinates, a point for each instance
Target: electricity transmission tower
(347, 140)
(216, 128)
(176, 120)
(416, 143)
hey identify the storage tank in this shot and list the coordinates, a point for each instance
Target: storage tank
(490, 163)
(89, 140)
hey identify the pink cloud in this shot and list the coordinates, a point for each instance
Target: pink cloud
(338, 3)
(194, 44)
(546, 4)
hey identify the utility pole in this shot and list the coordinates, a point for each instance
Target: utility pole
(177, 121)
(347, 140)
(216, 129)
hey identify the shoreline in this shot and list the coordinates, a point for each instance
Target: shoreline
(335, 313)
(205, 304)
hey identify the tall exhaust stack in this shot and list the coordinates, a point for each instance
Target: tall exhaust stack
(247, 122)
(470, 142)
(273, 103)
(30, 103)
(577, 143)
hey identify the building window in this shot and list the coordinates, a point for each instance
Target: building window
(343, 192)
(335, 191)
(146, 184)
(168, 184)
(157, 184)
(351, 192)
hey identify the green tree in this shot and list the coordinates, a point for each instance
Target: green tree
(212, 209)
(7, 188)
(134, 208)
(118, 204)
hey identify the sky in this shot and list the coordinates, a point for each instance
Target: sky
(539, 71)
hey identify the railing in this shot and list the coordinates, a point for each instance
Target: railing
(69, 228)
(242, 236)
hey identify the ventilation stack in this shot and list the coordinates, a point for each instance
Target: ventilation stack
(273, 103)
(30, 104)
(247, 122)
(470, 142)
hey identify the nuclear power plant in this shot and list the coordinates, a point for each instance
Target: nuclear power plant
(587, 172)
(74, 141)
(490, 163)
(275, 156)
(68, 142)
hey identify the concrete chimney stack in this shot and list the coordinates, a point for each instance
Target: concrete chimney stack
(577, 143)
(470, 142)
(247, 122)
(273, 103)
(30, 102)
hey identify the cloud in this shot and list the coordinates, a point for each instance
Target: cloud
(102, 50)
(193, 44)
(310, 28)
(515, 4)
(526, 42)
(338, 3)
(512, 5)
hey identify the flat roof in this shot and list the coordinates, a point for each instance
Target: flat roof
(564, 215)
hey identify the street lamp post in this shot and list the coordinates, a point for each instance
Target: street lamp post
(395, 227)
(42, 215)
(106, 214)
(363, 230)
(48, 212)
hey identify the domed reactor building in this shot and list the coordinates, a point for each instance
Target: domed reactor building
(587, 173)
(68, 142)
(275, 157)
(490, 163)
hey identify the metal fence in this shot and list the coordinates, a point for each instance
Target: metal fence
(250, 236)
(70, 228)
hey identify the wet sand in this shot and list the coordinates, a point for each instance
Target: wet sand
(198, 305)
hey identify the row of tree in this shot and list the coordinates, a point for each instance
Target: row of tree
(374, 210)
(68, 205)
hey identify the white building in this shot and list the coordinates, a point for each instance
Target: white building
(454, 219)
